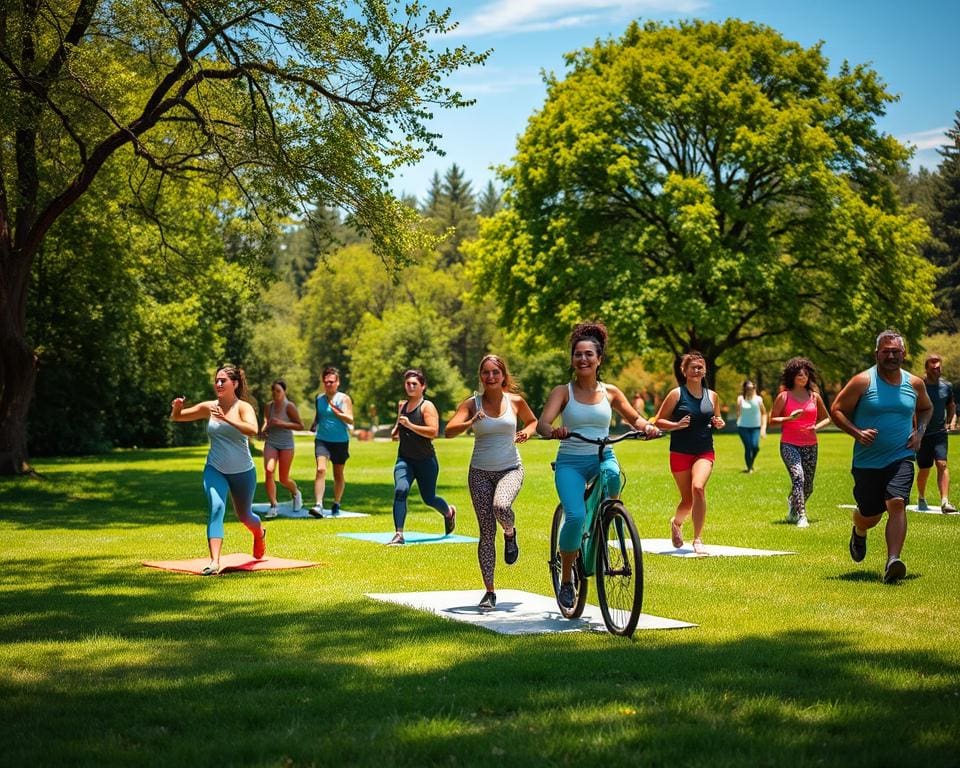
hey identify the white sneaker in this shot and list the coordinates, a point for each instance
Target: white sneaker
(272, 512)
(947, 508)
(316, 511)
(802, 522)
(297, 501)
(791, 514)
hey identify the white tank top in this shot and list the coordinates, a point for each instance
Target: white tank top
(589, 420)
(494, 449)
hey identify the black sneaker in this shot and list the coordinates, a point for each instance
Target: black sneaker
(895, 571)
(335, 509)
(858, 546)
(489, 601)
(316, 511)
(450, 521)
(396, 541)
(511, 550)
(567, 596)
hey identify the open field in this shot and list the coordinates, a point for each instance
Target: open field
(797, 660)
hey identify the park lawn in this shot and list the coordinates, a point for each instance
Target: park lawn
(806, 659)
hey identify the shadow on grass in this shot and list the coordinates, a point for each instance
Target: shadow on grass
(140, 668)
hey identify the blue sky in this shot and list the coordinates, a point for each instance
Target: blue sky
(912, 46)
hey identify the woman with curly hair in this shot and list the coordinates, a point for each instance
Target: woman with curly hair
(800, 412)
(585, 406)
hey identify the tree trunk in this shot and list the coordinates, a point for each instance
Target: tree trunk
(18, 365)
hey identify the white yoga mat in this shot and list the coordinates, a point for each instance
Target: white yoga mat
(933, 509)
(285, 509)
(517, 612)
(665, 547)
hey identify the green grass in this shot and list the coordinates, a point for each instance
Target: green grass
(797, 660)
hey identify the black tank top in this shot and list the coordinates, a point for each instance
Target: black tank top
(698, 437)
(412, 445)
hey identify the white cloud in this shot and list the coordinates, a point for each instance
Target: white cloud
(922, 140)
(515, 16)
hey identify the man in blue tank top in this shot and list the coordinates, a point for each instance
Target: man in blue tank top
(877, 408)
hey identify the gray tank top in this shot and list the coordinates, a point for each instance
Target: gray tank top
(493, 448)
(229, 448)
(280, 438)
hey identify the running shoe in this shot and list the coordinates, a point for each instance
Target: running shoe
(896, 570)
(511, 550)
(335, 509)
(947, 508)
(802, 522)
(922, 505)
(791, 513)
(260, 544)
(297, 501)
(211, 570)
(316, 511)
(858, 546)
(396, 541)
(489, 601)
(450, 521)
(272, 512)
(567, 596)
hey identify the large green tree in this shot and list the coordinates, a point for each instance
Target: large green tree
(707, 186)
(946, 229)
(287, 102)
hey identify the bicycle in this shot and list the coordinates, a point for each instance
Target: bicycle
(610, 549)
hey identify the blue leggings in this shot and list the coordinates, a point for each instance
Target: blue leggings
(241, 487)
(571, 476)
(424, 472)
(750, 436)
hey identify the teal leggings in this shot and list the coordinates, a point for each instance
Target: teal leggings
(241, 487)
(570, 477)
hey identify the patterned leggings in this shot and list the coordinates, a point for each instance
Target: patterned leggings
(801, 463)
(492, 494)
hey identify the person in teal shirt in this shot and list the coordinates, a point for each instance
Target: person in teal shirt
(877, 408)
(333, 423)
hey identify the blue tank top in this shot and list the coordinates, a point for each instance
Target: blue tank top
(889, 409)
(588, 419)
(941, 395)
(229, 448)
(329, 428)
(697, 438)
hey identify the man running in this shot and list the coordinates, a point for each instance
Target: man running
(933, 447)
(333, 423)
(877, 408)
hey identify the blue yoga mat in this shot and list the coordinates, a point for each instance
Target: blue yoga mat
(412, 537)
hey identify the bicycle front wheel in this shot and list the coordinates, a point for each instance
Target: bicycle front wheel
(619, 570)
(579, 581)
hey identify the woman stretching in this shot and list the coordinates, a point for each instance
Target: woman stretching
(586, 406)
(496, 473)
(229, 468)
(800, 412)
(417, 425)
(690, 414)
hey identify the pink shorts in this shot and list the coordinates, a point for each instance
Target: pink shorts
(682, 462)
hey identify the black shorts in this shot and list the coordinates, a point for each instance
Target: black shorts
(932, 448)
(872, 487)
(338, 453)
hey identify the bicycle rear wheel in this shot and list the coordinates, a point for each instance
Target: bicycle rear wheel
(619, 570)
(579, 581)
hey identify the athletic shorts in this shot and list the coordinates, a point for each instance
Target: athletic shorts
(681, 462)
(932, 448)
(873, 487)
(338, 453)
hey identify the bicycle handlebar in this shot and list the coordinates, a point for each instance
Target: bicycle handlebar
(633, 434)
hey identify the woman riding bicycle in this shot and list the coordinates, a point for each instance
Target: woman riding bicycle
(585, 405)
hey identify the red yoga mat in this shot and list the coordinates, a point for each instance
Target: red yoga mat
(234, 562)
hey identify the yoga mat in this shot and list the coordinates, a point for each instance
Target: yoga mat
(517, 612)
(235, 562)
(665, 547)
(933, 510)
(285, 509)
(412, 537)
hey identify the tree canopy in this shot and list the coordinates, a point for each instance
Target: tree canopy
(707, 186)
(286, 103)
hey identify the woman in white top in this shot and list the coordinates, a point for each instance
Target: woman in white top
(751, 423)
(496, 473)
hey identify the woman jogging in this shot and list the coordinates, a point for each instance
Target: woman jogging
(280, 418)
